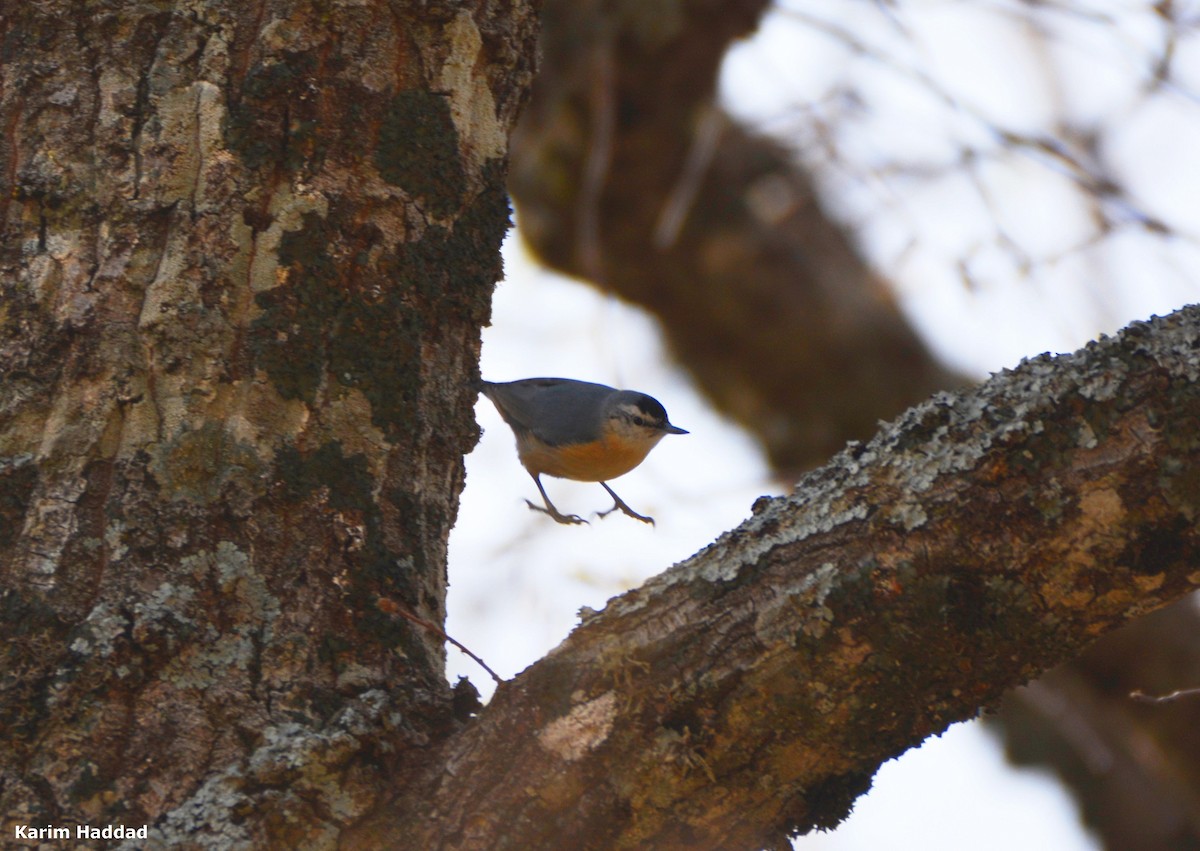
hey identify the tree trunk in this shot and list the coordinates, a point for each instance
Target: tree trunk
(248, 248)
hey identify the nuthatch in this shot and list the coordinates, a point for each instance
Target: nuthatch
(579, 430)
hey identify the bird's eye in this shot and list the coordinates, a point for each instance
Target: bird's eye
(638, 421)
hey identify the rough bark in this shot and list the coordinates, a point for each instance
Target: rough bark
(751, 691)
(247, 251)
(626, 173)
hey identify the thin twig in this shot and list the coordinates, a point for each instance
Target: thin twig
(1141, 697)
(391, 607)
(687, 187)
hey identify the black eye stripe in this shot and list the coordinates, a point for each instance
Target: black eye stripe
(638, 417)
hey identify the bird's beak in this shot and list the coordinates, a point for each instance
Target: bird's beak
(670, 429)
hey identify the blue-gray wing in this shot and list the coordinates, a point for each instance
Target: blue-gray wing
(554, 410)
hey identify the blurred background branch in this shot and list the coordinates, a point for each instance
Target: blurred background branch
(626, 172)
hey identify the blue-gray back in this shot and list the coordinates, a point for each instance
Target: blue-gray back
(555, 410)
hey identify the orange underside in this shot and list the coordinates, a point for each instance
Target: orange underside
(585, 462)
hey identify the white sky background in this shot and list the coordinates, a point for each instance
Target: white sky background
(1005, 258)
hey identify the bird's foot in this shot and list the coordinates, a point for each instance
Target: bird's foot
(567, 519)
(627, 511)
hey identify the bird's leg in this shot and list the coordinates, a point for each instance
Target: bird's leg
(569, 519)
(625, 509)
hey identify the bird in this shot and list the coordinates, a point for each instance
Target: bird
(579, 430)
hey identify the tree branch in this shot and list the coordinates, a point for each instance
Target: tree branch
(753, 690)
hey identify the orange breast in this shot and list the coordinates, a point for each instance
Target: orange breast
(584, 462)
